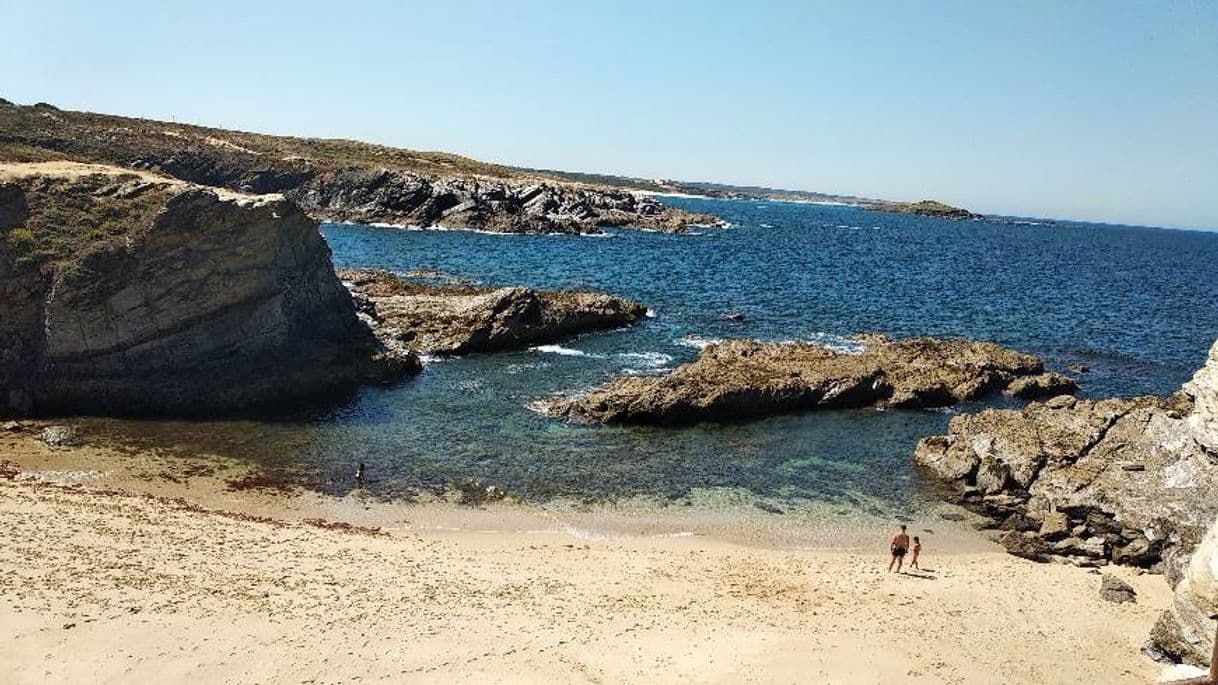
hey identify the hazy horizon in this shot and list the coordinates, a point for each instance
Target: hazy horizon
(1099, 113)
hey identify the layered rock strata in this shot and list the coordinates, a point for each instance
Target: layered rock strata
(742, 379)
(460, 319)
(125, 293)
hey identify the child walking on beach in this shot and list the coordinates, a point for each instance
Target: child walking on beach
(914, 552)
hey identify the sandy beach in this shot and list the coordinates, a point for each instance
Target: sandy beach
(113, 581)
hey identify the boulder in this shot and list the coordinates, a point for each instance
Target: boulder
(742, 379)
(1114, 589)
(60, 436)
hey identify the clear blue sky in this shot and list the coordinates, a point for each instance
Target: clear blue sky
(1104, 111)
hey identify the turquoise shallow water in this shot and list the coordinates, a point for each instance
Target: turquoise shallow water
(1136, 305)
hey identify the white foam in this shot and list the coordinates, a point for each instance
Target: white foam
(766, 225)
(649, 358)
(564, 351)
(698, 342)
(651, 313)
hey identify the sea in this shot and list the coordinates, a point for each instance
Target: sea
(1137, 307)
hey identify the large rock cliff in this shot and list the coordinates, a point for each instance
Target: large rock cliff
(123, 293)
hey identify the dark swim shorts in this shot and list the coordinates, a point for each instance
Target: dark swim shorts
(898, 551)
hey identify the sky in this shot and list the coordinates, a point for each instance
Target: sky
(1101, 111)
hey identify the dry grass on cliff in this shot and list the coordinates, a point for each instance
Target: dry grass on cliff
(69, 217)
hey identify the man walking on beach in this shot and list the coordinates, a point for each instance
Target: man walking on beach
(900, 544)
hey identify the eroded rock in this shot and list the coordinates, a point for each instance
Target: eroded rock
(742, 379)
(460, 319)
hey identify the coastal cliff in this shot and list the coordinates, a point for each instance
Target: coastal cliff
(338, 180)
(130, 293)
(460, 319)
(1127, 481)
(742, 379)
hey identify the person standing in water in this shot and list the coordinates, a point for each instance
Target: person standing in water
(900, 545)
(914, 552)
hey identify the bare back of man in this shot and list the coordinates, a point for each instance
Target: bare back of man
(899, 546)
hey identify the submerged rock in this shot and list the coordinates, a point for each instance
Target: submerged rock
(128, 294)
(460, 319)
(742, 379)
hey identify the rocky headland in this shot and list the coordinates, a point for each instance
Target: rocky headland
(131, 293)
(462, 318)
(742, 379)
(338, 180)
(1091, 482)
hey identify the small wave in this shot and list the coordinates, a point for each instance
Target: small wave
(564, 351)
(432, 358)
(766, 225)
(515, 369)
(649, 358)
(698, 342)
(654, 371)
(651, 313)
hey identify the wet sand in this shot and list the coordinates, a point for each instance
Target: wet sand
(136, 565)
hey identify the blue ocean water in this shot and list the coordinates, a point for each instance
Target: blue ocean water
(1136, 305)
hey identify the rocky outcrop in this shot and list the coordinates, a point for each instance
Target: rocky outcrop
(1128, 481)
(125, 294)
(460, 319)
(1185, 632)
(339, 180)
(924, 208)
(743, 379)
(399, 197)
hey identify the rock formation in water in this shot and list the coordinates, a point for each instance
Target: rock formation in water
(123, 293)
(924, 208)
(460, 319)
(338, 180)
(1129, 481)
(742, 379)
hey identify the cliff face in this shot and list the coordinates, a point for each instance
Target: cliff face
(400, 197)
(337, 180)
(1129, 481)
(125, 294)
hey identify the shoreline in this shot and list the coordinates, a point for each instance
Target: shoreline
(722, 515)
(127, 578)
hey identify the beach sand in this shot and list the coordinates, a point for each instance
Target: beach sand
(110, 582)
